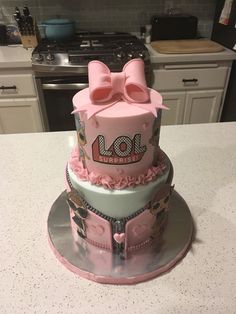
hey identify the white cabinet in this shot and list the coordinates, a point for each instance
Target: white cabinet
(202, 106)
(17, 85)
(175, 102)
(191, 107)
(19, 106)
(19, 116)
(193, 92)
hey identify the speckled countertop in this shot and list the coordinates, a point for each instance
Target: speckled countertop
(34, 281)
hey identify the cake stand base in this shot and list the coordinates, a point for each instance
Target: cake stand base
(102, 266)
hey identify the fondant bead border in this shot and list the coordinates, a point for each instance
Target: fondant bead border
(99, 245)
(140, 245)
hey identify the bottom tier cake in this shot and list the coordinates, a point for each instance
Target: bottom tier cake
(123, 220)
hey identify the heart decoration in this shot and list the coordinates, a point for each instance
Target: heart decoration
(119, 237)
(120, 171)
(144, 126)
(139, 229)
(99, 230)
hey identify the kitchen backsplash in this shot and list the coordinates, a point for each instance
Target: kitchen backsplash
(112, 15)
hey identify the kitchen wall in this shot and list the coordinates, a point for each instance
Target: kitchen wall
(113, 15)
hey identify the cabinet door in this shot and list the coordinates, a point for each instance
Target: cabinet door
(175, 102)
(202, 106)
(19, 116)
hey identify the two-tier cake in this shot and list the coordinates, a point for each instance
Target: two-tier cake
(118, 178)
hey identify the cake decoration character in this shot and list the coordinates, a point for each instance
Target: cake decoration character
(159, 208)
(80, 212)
(81, 140)
(160, 200)
(159, 225)
(159, 205)
(154, 140)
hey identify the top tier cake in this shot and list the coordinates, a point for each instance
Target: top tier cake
(119, 180)
(118, 125)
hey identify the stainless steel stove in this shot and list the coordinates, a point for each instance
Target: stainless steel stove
(61, 69)
(114, 49)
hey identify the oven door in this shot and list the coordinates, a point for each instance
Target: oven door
(56, 98)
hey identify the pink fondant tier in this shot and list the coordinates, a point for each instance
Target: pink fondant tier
(118, 122)
(117, 141)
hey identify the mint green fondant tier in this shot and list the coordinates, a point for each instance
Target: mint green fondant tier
(119, 203)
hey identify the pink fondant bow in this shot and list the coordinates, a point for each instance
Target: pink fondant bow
(129, 84)
(107, 88)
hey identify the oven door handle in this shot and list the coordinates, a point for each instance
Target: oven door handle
(78, 86)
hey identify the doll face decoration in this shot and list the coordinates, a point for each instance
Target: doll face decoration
(81, 136)
(160, 201)
(160, 205)
(80, 212)
(154, 140)
(81, 139)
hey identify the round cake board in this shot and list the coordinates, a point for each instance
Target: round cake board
(102, 266)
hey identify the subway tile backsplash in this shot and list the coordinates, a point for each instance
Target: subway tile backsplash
(113, 15)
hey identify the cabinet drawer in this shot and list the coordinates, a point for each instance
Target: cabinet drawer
(18, 85)
(190, 79)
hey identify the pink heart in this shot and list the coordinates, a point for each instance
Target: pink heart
(144, 126)
(119, 237)
(139, 229)
(99, 230)
(120, 171)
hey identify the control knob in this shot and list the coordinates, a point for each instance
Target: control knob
(50, 56)
(120, 55)
(130, 55)
(39, 57)
(141, 55)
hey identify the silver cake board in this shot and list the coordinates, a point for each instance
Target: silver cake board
(102, 266)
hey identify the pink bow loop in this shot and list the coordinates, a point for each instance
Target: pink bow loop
(135, 85)
(100, 87)
(129, 84)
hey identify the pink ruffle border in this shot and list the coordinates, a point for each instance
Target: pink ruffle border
(115, 183)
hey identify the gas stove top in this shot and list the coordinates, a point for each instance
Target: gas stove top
(114, 49)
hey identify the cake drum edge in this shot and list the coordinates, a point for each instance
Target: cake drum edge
(102, 266)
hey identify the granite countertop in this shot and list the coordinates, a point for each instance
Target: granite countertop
(157, 57)
(15, 56)
(34, 281)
